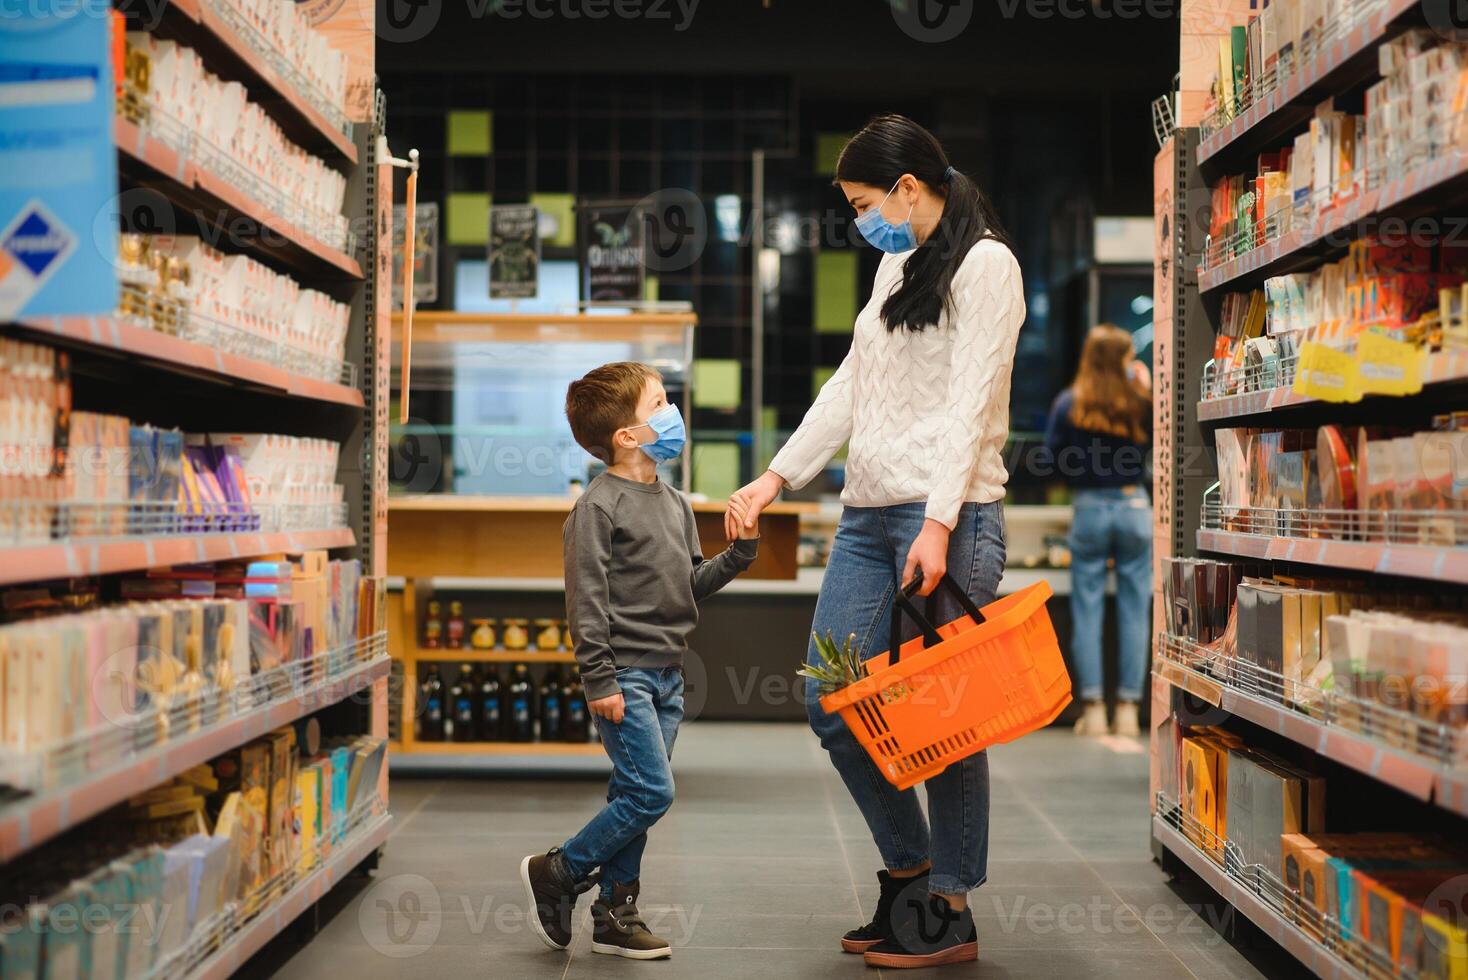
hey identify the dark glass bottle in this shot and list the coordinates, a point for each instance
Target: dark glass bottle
(430, 702)
(461, 706)
(575, 719)
(520, 706)
(491, 705)
(552, 707)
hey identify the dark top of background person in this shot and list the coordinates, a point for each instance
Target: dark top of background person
(1099, 431)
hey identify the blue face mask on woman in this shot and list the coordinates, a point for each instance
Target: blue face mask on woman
(883, 234)
(667, 425)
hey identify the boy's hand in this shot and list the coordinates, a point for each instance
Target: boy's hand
(610, 707)
(739, 511)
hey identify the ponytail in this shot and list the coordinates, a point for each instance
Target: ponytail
(888, 147)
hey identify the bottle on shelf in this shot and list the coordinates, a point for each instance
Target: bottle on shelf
(547, 635)
(552, 716)
(454, 629)
(461, 721)
(516, 634)
(520, 706)
(430, 712)
(491, 705)
(433, 626)
(574, 718)
(483, 637)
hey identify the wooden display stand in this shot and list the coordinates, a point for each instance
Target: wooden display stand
(515, 543)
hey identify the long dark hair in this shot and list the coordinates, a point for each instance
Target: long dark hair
(888, 147)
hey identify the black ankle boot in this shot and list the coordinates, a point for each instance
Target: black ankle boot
(861, 939)
(926, 932)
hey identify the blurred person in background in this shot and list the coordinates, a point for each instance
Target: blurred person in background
(1099, 437)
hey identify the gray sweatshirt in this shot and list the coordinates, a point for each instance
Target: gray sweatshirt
(634, 576)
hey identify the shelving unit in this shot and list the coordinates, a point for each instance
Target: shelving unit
(1392, 749)
(206, 377)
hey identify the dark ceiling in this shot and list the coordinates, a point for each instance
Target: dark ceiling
(834, 48)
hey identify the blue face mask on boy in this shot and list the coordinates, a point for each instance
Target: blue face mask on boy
(667, 424)
(883, 234)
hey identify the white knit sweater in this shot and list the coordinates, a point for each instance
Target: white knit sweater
(926, 413)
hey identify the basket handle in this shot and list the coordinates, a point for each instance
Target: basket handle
(903, 604)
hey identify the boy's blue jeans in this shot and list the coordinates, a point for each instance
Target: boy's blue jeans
(641, 788)
(867, 556)
(1111, 523)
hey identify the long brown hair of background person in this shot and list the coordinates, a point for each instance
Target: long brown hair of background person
(1109, 398)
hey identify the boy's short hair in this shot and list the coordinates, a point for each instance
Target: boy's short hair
(604, 401)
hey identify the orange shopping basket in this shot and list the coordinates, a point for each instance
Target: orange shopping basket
(988, 677)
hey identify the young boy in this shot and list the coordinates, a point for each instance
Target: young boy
(634, 576)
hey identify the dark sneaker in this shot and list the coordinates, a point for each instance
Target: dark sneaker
(618, 929)
(926, 932)
(861, 939)
(552, 893)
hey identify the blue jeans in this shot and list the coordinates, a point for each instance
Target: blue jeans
(641, 788)
(1110, 523)
(867, 556)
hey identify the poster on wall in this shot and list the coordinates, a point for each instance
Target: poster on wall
(610, 248)
(425, 252)
(514, 251)
(59, 203)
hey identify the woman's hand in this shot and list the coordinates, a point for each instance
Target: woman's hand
(746, 503)
(929, 552)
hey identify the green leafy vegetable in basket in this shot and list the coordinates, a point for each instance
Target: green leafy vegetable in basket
(838, 666)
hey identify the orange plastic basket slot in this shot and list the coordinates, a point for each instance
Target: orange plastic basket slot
(982, 684)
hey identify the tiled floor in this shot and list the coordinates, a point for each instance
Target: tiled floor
(763, 862)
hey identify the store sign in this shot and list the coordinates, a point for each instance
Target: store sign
(59, 204)
(425, 252)
(514, 251)
(611, 253)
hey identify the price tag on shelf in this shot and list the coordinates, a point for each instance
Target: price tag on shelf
(1327, 374)
(1387, 366)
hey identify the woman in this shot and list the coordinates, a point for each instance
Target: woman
(923, 398)
(1098, 436)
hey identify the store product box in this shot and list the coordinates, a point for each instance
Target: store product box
(1267, 801)
(21, 942)
(177, 921)
(308, 815)
(1302, 867)
(1202, 784)
(1443, 952)
(279, 831)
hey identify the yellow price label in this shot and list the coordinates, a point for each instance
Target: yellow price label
(1326, 373)
(1387, 366)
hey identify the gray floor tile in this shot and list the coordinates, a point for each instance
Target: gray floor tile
(764, 861)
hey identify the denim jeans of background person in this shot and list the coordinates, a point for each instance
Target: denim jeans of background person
(1110, 523)
(867, 555)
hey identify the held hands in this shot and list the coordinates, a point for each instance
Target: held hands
(741, 520)
(610, 707)
(929, 552)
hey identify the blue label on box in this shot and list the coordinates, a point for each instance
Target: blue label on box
(58, 161)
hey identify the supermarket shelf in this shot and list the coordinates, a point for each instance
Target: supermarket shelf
(1346, 59)
(35, 819)
(494, 656)
(1319, 960)
(239, 946)
(118, 335)
(451, 327)
(216, 200)
(1425, 778)
(1330, 228)
(1439, 564)
(122, 554)
(201, 25)
(1440, 368)
(568, 757)
(807, 582)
